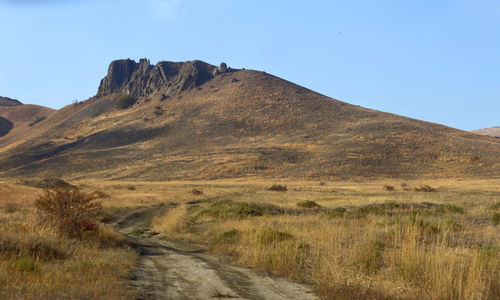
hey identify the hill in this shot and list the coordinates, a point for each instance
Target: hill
(5, 101)
(493, 131)
(193, 120)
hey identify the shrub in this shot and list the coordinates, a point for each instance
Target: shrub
(71, 211)
(23, 264)
(37, 120)
(125, 101)
(496, 219)
(227, 237)
(278, 188)
(336, 212)
(308, 204)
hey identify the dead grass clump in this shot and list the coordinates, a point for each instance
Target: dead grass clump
(425, 188)
(35, 248)
(100, 194)
(388, 188)
(368, 257)
(271, 236)
(71, 211)
(308, 204)
(195, 191)
(10, 208)
(174, 222)
(278, 188)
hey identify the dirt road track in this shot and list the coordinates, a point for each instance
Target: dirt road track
(175, 270)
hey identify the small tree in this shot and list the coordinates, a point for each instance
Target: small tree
(70, 210)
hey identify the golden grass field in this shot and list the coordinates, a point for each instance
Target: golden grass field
(361, 242)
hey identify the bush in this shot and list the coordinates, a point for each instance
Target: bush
(37, 120)
(71, 211)
(125, 101)
(308, 204)
(496, 219)
(278, 188)
(336, 212)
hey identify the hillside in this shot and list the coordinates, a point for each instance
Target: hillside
(15, 120)
(193, 120)
(493, 131)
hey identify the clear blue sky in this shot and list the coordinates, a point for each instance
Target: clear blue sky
(435, 60)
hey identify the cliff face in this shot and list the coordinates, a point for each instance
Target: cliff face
(141, 79)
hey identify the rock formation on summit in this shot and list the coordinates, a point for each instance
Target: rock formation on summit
(141, 79)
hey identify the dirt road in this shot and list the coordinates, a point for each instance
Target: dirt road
(175, 270)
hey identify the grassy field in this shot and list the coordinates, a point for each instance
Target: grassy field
(37, 263)
(349, 240)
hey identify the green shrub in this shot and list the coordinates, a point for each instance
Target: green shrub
(337, 212)
(228, 237)
(125, 101)
(23, 264)
(449, 208)
(308, 204)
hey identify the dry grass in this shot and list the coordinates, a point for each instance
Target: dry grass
(362, 242)
(37, 263)
(403, 244)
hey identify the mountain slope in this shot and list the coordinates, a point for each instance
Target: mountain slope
(195, 120)
(15, 120)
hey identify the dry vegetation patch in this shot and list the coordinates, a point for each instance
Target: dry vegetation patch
(411, 245)
(37, 262)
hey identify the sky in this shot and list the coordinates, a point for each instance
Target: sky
(433, 60)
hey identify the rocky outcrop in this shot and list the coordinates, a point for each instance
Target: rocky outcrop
(141, 79)
(5, 101)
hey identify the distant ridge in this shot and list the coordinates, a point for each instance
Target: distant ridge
(493, 131)
(5, 101)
